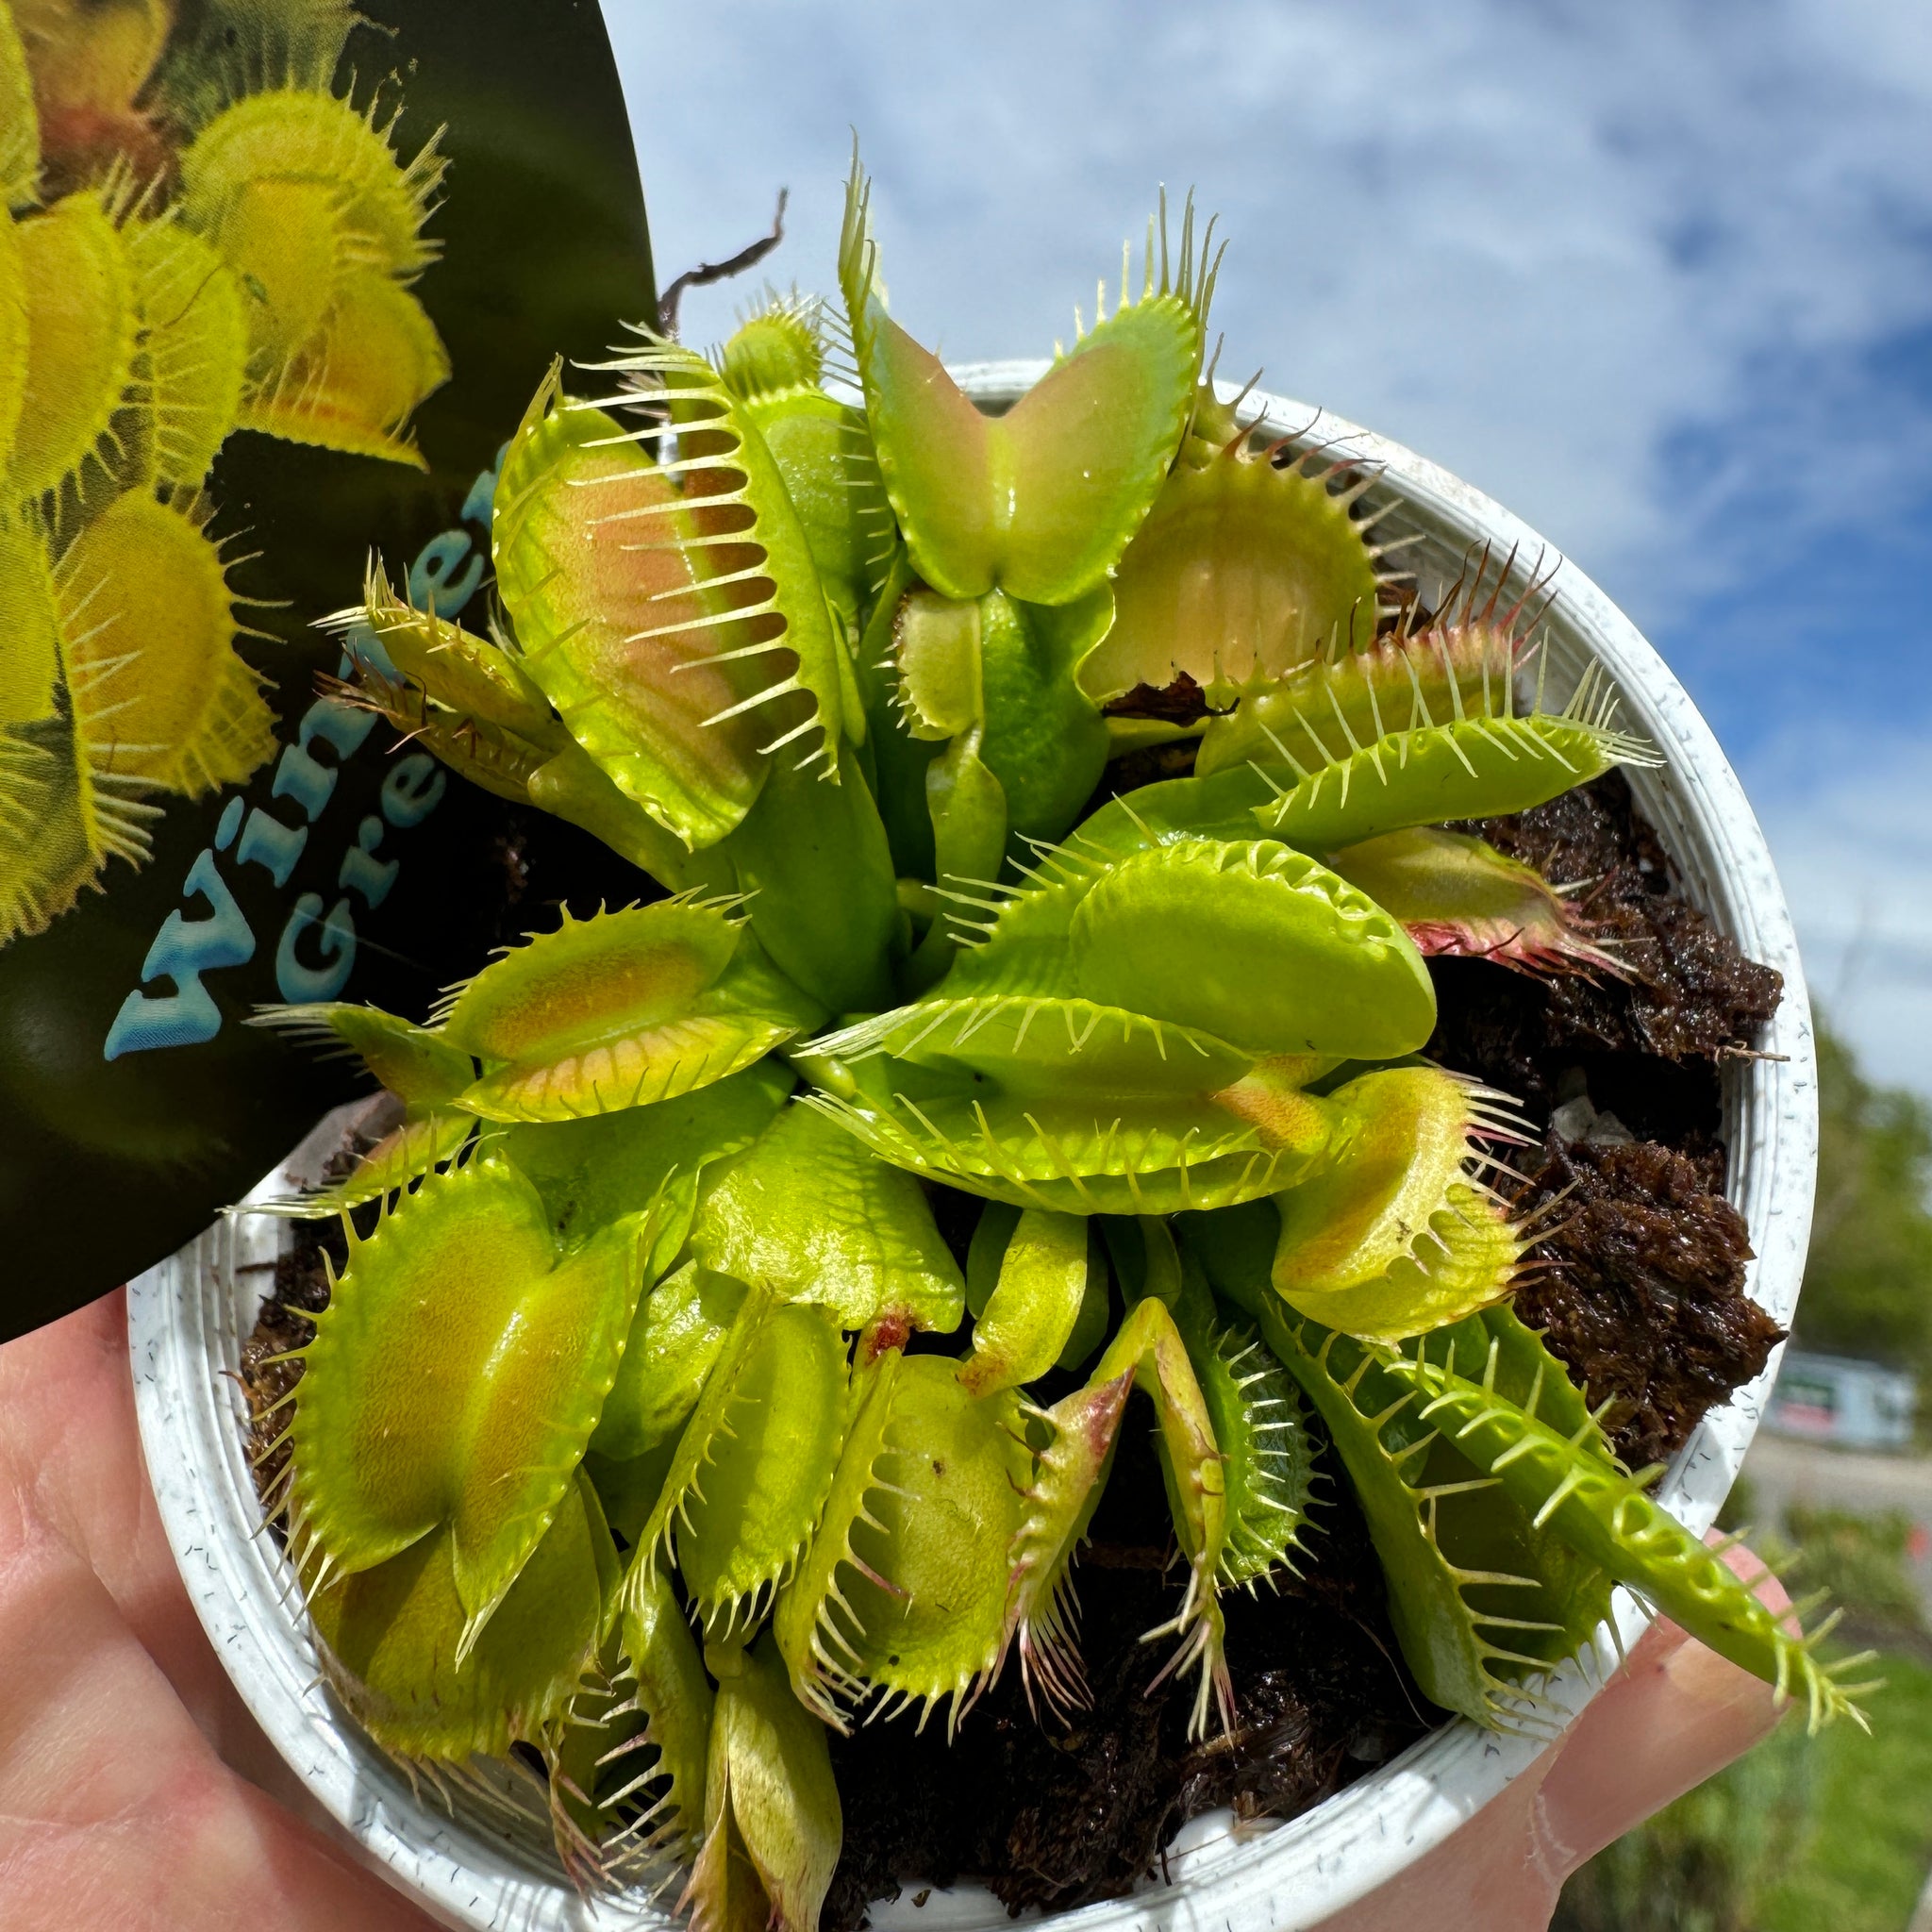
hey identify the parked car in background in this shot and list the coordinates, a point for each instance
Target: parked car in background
(1838, 1399)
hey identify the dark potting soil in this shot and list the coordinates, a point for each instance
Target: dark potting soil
(301, 1289)
(1646, 1047)
(1641, 1297)
(1646, 1302)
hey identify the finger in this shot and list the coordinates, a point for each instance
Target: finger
(1674, 1716)
(1481, 1878)
(70, 1453)
(114, 1812)
(1669, 1719)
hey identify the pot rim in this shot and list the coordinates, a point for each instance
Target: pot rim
(186, 1326)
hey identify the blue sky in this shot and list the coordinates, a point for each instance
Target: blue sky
(1657, 277)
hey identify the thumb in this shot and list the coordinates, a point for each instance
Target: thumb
(1674, 1716)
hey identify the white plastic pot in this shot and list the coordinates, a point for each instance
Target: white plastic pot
(188, 1317)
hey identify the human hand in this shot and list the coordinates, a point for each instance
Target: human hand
(1673, 1716)
(136, 1792)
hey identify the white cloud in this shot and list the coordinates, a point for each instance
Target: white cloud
(1850, 825)
(1537, 243)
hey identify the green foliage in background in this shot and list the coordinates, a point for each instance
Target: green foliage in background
(1861, 1560)
(1868, 1280)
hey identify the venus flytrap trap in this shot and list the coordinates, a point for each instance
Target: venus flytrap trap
(902, 1599)
(772, 1821)
(1014, 525)
(775, 365)
(1041, 502)
(1340, 692)
(1250, 565)
(607, 617)
(753, 1464)
(646, 1428)
(1147, 1352)
(469, 700)
(321, 223)
(619, 1010)
(1398, 1234)
(1453, 893)
(144, 587)
(1603, 1512)
(196, 348)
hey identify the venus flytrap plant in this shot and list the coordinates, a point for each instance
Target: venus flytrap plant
(125, 684)
(601, 1015)
(675, 1342)
(1331, 770)
(994, 681)
(1138, 1036)
(63, 810)
(77, 289)
(672, 1360)
(672, 614)
(1489, 759)
(1070, 1106)
(1149, 1348)
(731, 489)
(594, 1171)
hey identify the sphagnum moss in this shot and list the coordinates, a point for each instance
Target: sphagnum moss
(656, 1191)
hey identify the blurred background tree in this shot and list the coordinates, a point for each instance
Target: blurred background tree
(1867, 1281)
